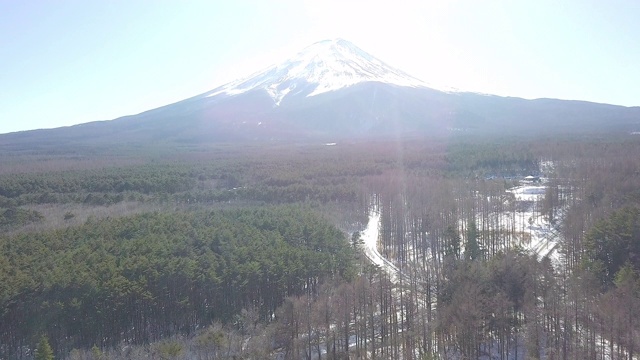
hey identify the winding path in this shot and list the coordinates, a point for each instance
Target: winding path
(369, 237)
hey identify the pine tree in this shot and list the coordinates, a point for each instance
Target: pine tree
(452, 241)
(43, 350)
(472, 250)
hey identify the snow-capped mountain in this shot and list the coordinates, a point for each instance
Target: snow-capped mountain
(325, 66)
(332, 91)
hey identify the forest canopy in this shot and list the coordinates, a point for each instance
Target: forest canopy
(253, 253)
(141, 278)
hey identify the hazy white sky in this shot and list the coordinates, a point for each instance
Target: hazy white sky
(68, 62)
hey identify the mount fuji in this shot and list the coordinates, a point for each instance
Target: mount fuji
(322, 67)
(330, 91)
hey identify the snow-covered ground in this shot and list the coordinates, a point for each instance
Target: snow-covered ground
(528, 192)
(537, 233)
(534, 231)
(369, 237)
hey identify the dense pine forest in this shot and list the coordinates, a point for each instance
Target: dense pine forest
(496, 248)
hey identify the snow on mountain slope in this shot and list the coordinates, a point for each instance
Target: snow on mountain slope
(322, 67)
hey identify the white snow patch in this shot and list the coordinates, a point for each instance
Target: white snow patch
(538, 234)
(369, 237)
(528, 192)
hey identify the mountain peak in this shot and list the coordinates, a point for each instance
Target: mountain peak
(333, 43)
(324, 66)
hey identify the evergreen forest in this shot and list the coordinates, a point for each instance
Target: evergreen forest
(430, 248)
